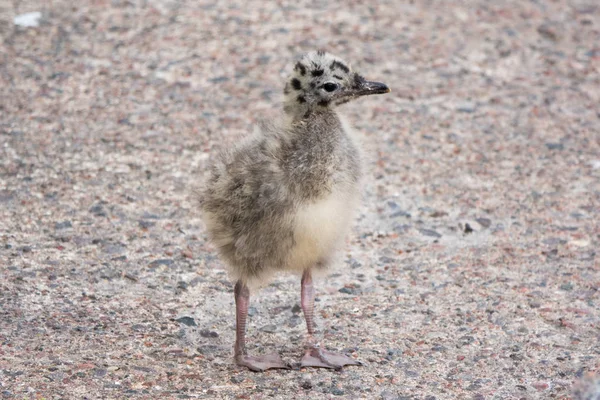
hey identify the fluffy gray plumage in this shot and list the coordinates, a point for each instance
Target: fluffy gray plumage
(283, 198)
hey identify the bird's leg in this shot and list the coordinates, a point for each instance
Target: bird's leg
(315, 356)
(254, 363)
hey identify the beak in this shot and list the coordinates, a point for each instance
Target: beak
(369, 87)
(363, 87)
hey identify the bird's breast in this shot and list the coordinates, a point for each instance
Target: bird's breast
(319, 227)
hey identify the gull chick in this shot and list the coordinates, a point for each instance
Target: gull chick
(282, 200)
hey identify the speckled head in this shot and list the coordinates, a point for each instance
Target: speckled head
(321, 80)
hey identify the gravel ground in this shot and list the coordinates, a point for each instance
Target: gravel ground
(471, 273)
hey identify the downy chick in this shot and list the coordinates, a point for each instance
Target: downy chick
(283, 199)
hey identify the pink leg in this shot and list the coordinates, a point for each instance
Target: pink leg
(254, 363)
(315, 356)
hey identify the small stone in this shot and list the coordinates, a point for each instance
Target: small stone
(430, 233)
(237, 379)
(438, 214)
(189, 321)
(400, 213)
(535, 304)
(466, 340)
(98, 210)
(208, 334)
(28, 20)
(219, 79)
(63, 225)
(159, 262)
(541, 386)
(306, 384)
(348, 290)
(387, 260)
(144, 224)
(468, 228)
(566, 286)
(337, 392)
(269, 328)
(296, 309)
(549, 30)
(484, 222)
(207, 349)
(466, 107)
(555, 146)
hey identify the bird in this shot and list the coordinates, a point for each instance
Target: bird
(283, 198)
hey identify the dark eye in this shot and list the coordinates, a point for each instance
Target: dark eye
(330, 87)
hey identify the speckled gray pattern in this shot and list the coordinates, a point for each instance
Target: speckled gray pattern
(471, 271)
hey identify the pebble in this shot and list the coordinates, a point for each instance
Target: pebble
(144, 224)
(271, 328)
(484, 222)
(208, 333)
(189, 321)
(28, 20)
(63, 225)
(568, 286)
(555, 146)
(159, 262)
(549, 30)
(466, 107)
(98, 210)
(468, 229)
(348, 290)
(430, 233)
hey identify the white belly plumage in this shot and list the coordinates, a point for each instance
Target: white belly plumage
(319, 228)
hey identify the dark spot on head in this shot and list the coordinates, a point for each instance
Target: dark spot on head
(337, 64)
(301, 99)
(300, 67)
(313, 84)
(323, 103)
(320, 52)
(358, 80)
(338, 77)
(296, 84)
(317, 72)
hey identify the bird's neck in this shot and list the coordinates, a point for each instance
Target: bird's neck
(296, 111)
